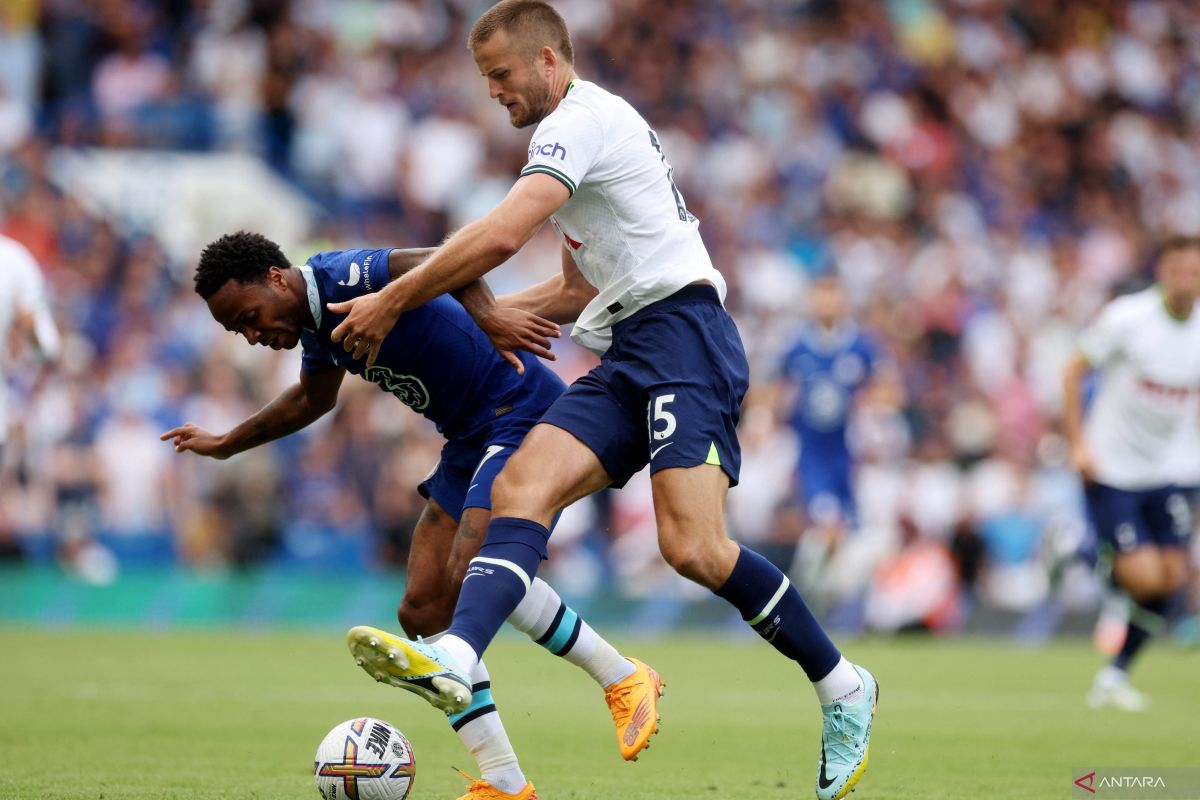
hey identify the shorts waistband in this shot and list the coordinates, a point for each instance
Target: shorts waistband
(693, 293)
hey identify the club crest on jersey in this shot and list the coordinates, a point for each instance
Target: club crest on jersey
(408, 388)
(555, 150)
(353, 276)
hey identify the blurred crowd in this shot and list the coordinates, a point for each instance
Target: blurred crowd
(981, 174)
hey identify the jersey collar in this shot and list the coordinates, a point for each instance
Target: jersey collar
(1162, 295)
(314, 299)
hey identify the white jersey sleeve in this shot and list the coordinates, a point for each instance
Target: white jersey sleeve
(566, 146)
(1102, 341)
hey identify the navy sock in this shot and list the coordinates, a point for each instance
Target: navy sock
(1146, 620)
(768, 601)
(498, 579)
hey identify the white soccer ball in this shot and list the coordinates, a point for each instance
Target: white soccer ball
(365, 759)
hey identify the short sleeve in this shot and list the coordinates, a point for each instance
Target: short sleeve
(566, 145)
(314, 357)
(1101, 341)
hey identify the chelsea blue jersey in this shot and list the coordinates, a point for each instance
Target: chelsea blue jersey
(829, 367)
(436, 360)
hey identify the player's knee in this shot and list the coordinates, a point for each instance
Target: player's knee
(694, 560)
(515, 493)
(1174, 575)
(424, 614)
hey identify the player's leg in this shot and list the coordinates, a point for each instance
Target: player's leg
(425, 611)
(550, 470)
(1146, 532)
(426, 606)
(1153, 572)
(693, 367)
(541, 615)
(547, 620)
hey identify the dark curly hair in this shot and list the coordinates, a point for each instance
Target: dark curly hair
(243, 257)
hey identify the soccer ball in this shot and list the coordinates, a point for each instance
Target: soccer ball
(364, 759)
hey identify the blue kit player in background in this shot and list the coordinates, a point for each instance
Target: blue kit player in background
(439, 362)
(830, 362)
(641, 289)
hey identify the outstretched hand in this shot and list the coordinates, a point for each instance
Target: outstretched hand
(512, 329)
(198, 440)
(368, 323)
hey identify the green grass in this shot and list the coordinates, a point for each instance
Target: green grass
(198, 715)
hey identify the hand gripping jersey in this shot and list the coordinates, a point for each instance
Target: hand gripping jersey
(436, 360)
(625, 224)
(1142, 426)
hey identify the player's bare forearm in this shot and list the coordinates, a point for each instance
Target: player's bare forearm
(466, 256)
(550, 299)
(485, 244)
(289, 412)
(401, 262)
(476, 297)
(295, 408)
(1072, 414)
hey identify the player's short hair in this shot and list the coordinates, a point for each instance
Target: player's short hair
(532, 24)
(244, 257)
(1177, 243)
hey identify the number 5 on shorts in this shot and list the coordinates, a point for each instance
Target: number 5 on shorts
(656, 412)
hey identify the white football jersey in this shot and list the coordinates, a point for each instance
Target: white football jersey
(625, 224)
(1142, 427)
(21, 292)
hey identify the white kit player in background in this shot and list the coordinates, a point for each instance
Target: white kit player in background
(1138, 450)
(24, 317)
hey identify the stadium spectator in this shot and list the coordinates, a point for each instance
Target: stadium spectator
(979, 175)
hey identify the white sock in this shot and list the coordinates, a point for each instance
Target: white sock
(462, 654)
(842, 684)
(543, 617)
(485, 737)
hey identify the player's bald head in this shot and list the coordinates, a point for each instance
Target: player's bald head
(529, 24)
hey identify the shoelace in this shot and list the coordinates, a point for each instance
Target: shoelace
(840, 736)
(618, 701)
(475, 783)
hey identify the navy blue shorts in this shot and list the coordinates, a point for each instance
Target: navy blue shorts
(826, 485)
(464, 475)
(1126, 520)
(668, 392)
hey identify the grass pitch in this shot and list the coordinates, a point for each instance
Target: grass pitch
(200, 715)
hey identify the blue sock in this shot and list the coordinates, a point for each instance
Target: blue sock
(768, 601)
(498, 579)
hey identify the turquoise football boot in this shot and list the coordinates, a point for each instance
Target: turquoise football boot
(844, 741)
